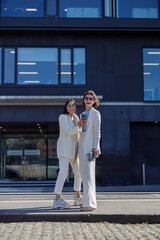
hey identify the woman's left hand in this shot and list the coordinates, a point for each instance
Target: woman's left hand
(96, 152)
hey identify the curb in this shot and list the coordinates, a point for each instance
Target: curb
(115, 218)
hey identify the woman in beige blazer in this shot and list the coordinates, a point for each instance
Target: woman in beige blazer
(67, 147)
(89, 142)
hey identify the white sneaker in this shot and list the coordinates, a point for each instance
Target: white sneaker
(87, 209)
(60, 204)
(77, 201)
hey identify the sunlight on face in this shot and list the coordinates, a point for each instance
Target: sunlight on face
(89, 101)
(71, 107)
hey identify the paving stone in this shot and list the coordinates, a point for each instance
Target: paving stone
(78, 231)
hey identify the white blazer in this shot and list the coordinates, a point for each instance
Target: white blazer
(93, 132)
(67, 140)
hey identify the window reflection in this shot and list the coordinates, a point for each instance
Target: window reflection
(151, 73)
(9, 65)
(44, 66)
(25, 158)
(20, 8)
(80, 8)
(137, 9)
(37, 66)
(51, 7)
(65, 66)
(108, 8)
(79, 66)
(53, 163)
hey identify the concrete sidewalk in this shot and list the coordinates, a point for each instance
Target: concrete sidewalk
(118, 207)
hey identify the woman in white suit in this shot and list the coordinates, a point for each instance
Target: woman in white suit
(89, 142)
(67, 146)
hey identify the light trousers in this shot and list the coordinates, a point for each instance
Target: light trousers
(87, 170)
(63, 173)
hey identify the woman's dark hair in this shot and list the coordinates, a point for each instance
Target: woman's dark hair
(90, 92)
(65, 111)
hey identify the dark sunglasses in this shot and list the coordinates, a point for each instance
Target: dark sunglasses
(88, 98)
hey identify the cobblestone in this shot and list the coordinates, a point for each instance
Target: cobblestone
(78, 231)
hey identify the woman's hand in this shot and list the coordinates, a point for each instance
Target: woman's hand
(96, 152)
(82, 122)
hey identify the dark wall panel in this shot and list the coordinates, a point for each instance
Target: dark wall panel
(145, 142)
(32, 113)
(29, 114)
(115, 145)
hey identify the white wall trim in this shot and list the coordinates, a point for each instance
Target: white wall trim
(60, 100)
(129, 103)
(40, 100)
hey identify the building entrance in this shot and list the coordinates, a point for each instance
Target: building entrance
(28, 151)
(24, 157)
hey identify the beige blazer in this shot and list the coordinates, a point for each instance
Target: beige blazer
(67, 140)
(93, 133)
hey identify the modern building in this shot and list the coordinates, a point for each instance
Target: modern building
(52, 50)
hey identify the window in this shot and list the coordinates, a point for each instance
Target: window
(65, 66)
(37, 65)
(73, 69)
(151, 73)
(108, 8)
(51, 7)
(9, 65)
(79, 71)
(21, 8)
(43, 66)
(137, 8)
(80, 8)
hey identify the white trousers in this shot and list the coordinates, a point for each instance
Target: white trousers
(87, 170)
(63, 172)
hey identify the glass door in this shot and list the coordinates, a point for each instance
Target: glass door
(23, 158)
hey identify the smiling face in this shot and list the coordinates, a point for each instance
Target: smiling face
(71, 108)
(88, 101)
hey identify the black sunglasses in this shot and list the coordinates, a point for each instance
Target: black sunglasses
(88, 98)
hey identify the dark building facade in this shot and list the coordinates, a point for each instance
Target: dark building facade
(52, 50)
